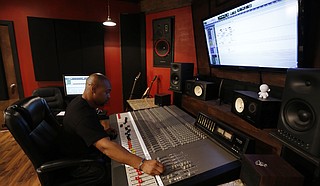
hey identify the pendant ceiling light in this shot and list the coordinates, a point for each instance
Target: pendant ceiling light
(109, 22)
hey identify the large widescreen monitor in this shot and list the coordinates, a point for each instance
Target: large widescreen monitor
(74, 84)
(262, 33)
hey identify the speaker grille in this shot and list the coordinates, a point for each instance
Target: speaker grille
(299, 115)
(175, 79)
(175, 67)
(162, 48)
(252, 108)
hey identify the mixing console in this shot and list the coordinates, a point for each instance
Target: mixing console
(168, 134)
(132, 142)
(161, 132)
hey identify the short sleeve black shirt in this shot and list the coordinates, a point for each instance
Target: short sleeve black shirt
(81, 129)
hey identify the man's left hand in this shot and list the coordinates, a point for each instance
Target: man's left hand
(112, 133)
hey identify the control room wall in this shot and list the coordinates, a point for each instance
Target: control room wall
(184, 46)
(86, 10)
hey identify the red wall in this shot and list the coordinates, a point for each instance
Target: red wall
(184, 46)
(87, 10)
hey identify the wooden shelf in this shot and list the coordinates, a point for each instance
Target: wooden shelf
(265, 143)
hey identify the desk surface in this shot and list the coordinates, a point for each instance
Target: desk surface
(138, 104)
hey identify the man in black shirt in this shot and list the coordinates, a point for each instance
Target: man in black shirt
(85, 135)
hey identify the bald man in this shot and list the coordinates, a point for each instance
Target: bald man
(84, 134)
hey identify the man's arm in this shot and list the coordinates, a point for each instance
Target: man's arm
(105, 123)
(112, 133)
(121, 155)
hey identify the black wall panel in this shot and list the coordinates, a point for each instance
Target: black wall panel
(65, 47)
(133, 56)
(92, 52)
(43, 46)
(69, 48)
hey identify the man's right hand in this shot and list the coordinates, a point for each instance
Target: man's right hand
(152, 167)
(118, 153)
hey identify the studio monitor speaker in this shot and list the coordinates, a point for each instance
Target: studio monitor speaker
(299, 123)
(202, 90)
(261, 113)
(179, 73)
(163, 30)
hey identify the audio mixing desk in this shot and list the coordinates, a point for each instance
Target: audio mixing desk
(194, 151)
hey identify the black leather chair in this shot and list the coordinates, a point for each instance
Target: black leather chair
(53, 97)
(37, 132)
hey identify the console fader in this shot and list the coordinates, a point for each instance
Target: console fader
(191, 156)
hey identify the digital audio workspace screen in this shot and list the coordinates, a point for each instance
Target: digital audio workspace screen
(262, 33)
(74, 85)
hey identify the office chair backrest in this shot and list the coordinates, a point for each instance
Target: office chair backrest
(34, 128)
(53, 97)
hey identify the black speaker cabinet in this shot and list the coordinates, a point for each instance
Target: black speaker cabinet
(163, 32)
(162, 99)
(299, 123)
(202, 90)
(268, 170)
(261, 113)
(179, 73)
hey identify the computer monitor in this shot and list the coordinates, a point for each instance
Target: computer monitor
(260, 34)
(74, 84)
